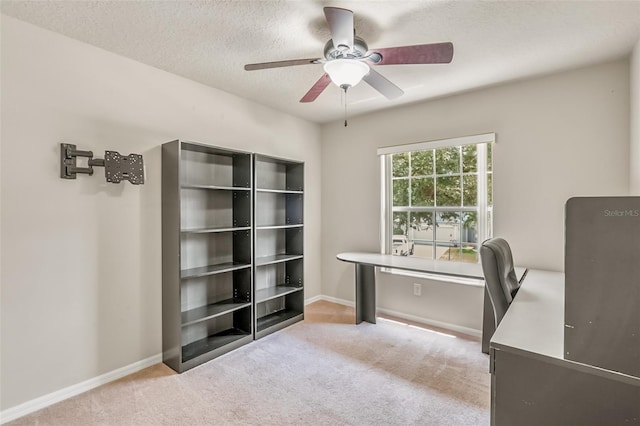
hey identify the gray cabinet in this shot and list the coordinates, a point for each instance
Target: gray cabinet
(533, 383)
(602, 293)
(279, 243)
(207, 246)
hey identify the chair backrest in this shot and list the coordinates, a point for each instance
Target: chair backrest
(499, 274)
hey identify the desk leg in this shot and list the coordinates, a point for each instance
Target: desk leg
(365, 293)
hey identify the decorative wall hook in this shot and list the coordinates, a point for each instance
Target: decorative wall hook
(116, 167)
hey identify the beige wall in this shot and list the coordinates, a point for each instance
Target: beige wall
(81, 276)
(558, 136)
(634, 156)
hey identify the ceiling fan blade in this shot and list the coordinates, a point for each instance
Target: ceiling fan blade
(382, 85)
(279, 64)
(435, 53)
(341, 25)
(316, 89)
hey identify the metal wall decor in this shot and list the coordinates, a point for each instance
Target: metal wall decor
(116, 167)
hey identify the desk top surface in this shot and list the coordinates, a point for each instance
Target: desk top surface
(534, 321)
(416, 264)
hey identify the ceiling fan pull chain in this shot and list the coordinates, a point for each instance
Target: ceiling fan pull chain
(345, 106)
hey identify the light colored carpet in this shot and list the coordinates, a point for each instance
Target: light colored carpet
(322, 371)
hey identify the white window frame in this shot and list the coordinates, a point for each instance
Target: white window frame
(387, 196)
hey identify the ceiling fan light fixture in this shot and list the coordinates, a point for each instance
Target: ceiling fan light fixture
(346, 72)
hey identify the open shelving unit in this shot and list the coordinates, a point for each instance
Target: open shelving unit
(207, 246)
(279, 244)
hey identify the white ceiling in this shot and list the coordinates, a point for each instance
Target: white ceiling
(211, 41)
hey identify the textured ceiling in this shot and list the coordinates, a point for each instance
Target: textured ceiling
(211, 41)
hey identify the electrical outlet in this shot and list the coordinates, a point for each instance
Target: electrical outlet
(417, 289)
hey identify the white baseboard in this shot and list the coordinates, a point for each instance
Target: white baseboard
(73, 390)
(344, 302)
(313, 299)
(426, 321)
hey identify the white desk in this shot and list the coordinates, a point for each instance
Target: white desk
(366, 276)
(532, 383)
(366, 282)
(534, 322)
(416, 264)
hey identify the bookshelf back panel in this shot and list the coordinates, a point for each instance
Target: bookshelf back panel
(200, 168)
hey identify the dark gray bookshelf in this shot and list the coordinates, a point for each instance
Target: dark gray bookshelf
(278, 243)
(207, 246)
(232, 250)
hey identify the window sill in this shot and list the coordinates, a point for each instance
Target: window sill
(435, 277)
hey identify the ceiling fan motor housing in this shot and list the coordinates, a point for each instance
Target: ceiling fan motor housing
(359, 50)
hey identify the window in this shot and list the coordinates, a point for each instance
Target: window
(437, 198)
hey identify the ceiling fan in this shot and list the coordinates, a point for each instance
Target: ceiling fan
(348, 60)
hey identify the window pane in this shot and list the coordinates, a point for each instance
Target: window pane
(469, 227)
(422, 163)
(468, 253)
(448, 160)
(400, 223)
(400, 164)
(490, 222)
(448, 191)
(448, 236)
(489, 157)
(425, 182)
(469, 158)
(421, 234)
(470, 190)
(400, 192)
(490, 189)
(469, 238)
(401, 243)
(422, 192)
